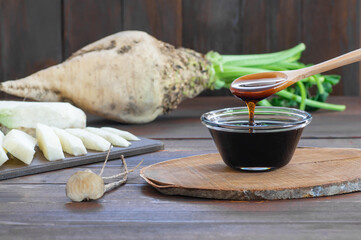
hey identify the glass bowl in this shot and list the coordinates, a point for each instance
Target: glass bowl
(267, 145)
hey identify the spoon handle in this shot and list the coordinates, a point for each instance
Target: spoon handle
(336, 62)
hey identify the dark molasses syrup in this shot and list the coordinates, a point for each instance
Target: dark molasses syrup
(241, 150)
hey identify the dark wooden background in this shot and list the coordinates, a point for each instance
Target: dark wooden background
(35, 34)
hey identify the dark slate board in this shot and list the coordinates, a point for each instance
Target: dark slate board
(15, 168)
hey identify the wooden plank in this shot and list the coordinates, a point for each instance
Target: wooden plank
(141, 203)
(269, 26)
(160, 18)
(212, 25)
(30, 36)
(283, 24)
(50, 201)
(97, 213)
(329, 29)
(183, 230)
(254, 26)
(14, 168)
(240, 27)
(86, 21)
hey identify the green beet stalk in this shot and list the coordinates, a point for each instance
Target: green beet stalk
(309, 102)
(303, 95)
(262, 59)
(226, 68)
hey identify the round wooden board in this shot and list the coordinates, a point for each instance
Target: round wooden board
(312, 172)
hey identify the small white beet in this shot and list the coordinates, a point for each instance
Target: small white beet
(70, 143)
(3, 155)
(90, 140)
(20, 145)
(49, 142)
(114, 139)
(85, 185)
(124, 134)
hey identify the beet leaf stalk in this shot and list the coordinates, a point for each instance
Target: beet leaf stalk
(308, 94)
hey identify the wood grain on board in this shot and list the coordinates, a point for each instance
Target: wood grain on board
(312, 172)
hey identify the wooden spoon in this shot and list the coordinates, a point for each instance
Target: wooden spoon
(255, 87)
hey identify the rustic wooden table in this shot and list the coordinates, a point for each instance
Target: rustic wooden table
(35, 207)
